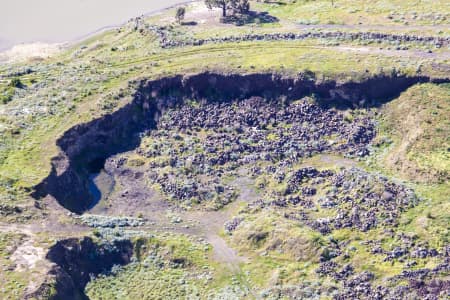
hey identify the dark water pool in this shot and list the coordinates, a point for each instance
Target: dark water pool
(100, 186)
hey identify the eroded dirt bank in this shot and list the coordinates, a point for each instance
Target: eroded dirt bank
(76, 260)
(85, 147)
(185, 147)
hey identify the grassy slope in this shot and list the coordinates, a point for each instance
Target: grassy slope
(171, 266)
(26, 156)
(363, 12)
(11, 284)
(81, 84)
(418, 123)
(413, 17)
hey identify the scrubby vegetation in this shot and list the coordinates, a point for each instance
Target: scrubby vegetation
(419, 129)
(165, 267)
(317, 191)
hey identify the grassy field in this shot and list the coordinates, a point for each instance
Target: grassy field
(97, 77)
(420, 17)
(420, 141)
(379, 12)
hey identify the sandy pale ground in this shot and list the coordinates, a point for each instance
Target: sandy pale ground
(29, 51)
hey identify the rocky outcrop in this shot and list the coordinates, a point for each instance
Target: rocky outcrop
(85, 147)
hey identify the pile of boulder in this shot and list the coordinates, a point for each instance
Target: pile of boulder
(196, 145)
(167, 41)
(354, 198)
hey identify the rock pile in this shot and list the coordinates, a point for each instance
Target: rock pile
(255, 129)
(353, 198)
(201, 143)
(167, 41)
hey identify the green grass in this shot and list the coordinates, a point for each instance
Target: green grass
(31, 119)
(289, 249)
(26, 156)
(155, 276)
(363, 12)
(12, 283)
(376, 16)
(417, 123)
(430, 219)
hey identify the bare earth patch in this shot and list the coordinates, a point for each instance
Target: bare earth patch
(35, 51)
(27, 256)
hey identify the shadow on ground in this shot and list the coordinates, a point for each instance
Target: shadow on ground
(252, 17)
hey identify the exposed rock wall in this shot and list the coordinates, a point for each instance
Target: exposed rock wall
(85, 147)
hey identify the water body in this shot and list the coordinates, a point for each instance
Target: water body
(101, 186)
(58, 21)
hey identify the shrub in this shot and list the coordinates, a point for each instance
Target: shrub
(5, 98)
(16, 83)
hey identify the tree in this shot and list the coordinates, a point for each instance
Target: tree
(223, 4)
(180, 13)
(240, 6)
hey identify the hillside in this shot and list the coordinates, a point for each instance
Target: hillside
(296, 151)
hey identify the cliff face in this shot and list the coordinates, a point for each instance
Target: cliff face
(76, 260)
(85, 147)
